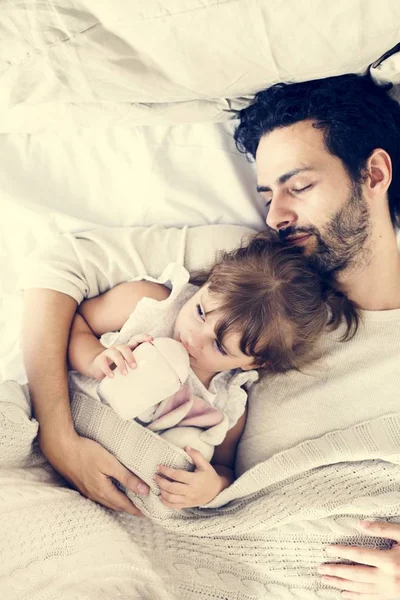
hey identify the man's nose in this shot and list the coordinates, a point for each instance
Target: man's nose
(280, 214)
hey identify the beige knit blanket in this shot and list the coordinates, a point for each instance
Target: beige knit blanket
(264, 540)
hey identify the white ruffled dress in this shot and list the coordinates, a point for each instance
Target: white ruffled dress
(227, 392)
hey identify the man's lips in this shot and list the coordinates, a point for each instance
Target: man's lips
(295, 239)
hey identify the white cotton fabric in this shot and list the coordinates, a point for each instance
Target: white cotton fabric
(91, 63)
(227, 390)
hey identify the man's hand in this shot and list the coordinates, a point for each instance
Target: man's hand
(189, 489)
(89, 467)
(377, 577)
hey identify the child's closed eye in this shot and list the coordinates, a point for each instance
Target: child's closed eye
(200, 312)
(220, 348)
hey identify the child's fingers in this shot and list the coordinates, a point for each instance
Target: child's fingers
(174, 499)
(176, 474)
(199, 461)
(172, 487)
(104, 366)
(139, 339)
(128, 355)
(115, 355)
(172, 505)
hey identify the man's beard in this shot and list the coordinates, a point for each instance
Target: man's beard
(342, 243)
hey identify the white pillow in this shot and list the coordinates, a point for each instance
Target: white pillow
(77, 180)
(96, 63)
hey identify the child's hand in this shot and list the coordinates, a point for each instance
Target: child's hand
(189, 489)
(121, 355)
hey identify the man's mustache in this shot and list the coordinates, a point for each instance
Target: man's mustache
(283, 234)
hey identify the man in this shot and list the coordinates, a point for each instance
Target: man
(328, 167)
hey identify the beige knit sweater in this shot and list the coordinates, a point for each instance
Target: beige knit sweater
(320, 450)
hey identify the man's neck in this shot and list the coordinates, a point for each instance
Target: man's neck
(375, 284)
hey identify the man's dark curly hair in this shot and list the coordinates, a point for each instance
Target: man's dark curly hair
(355, 114)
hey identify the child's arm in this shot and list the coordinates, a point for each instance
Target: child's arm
(224, 456)
(208, 480)
(107, 312)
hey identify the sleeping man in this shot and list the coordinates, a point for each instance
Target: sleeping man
(328, 167)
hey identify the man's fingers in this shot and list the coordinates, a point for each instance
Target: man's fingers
(117, 500)
(128, 479)
(351, 572)
(382, 529)
(92, 473)
(358, 596)
(349, 586)
(364, 556)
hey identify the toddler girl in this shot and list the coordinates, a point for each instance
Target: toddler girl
(260, 307)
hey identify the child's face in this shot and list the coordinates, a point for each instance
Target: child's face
(196, 330)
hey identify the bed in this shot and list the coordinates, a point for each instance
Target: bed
(122, 114)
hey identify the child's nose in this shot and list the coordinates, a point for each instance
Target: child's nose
(196, 341)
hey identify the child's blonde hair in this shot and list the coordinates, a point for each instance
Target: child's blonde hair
(277, 301)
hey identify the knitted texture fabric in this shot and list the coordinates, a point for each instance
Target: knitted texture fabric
(260, 538)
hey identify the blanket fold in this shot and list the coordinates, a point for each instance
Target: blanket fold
(261, 538)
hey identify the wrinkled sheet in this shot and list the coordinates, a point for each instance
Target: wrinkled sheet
(96, 63)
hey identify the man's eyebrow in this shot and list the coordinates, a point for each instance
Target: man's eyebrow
(284, 178)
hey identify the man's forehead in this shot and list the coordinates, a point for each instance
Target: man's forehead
(282, 167)
(288, 148)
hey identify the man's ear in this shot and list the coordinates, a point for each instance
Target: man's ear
(378, 173)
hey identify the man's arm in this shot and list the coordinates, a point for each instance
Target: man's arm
(52, 312)
(81, 461)
(83, 265)
(56, 279)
